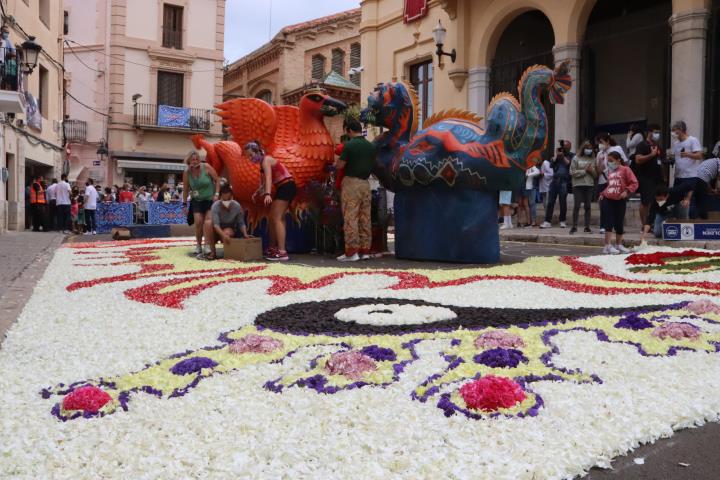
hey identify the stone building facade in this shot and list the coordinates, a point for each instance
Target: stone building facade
(152, 72)
(646, 61)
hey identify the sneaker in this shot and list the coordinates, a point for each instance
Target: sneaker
(545, 225)
(563, 225)
(277, 256)
(505, 226)
(345, 258)
(94, 232)
(66, 232)
(622, 249)
(269, 251)
(602, 231)
(573, 230)
(587, 230)
(610, 250)
(87, 233)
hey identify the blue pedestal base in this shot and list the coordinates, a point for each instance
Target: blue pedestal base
(445, 225)
(299, 239)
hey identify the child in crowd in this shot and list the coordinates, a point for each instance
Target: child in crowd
(621, 184)
(81, 214)
(74, 214)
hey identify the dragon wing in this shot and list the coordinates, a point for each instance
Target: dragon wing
(249, 119)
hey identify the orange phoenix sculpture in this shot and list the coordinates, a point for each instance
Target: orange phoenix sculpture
(296, 136)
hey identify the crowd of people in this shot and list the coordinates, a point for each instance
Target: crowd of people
(58, 206)
(605, 172)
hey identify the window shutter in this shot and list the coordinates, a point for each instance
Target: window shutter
(338, 61)
(318, 68)
(355, 62)
(170, 89)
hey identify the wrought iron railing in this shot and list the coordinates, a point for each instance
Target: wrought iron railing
(165, 116)
(172, 38)
(75, 131)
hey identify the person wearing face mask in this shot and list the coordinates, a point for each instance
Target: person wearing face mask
(606, 144)
(201, 188)
(648, 158)
(559, 185)
(621, 184)
(665, 202)
(688, 154)
(705, 184)
(583, 171)
(227, 220)
(273, 174)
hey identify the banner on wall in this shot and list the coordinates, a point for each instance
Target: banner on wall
(110, 215)
(178, 117)
(415, 10)
(161, 213)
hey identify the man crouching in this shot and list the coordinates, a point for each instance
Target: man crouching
(226, 219)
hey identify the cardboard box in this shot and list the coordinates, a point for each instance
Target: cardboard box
(121, 234)
(244, 249)
(691, 230)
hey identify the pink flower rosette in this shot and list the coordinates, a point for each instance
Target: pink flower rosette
(677, 331)
(498, 339)
(491, 393)
(700, 307)
(255, 344)
(352, 364)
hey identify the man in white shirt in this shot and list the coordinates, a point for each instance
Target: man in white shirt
(91, 198)
(688, 156)
(62, 195)
(52, 204)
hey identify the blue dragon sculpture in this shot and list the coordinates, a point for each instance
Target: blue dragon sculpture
(454, 167)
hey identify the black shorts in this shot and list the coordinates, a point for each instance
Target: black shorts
(647, 190)
(286, 191)
(201, 206)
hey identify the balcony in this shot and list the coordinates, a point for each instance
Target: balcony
(75, 131)
(165, 117)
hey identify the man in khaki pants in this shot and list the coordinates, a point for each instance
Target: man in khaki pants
(358, 160)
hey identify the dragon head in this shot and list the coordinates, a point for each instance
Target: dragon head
(319, 105)
(393, 105)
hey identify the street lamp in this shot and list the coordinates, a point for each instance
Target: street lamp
(439, 34)
(102, 151)
(31, 51)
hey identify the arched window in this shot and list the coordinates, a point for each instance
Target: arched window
(318, 68)
(265, 95)
(355, 62)
(338, 61)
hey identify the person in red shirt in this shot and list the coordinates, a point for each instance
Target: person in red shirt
(126, 196)
(621, 183)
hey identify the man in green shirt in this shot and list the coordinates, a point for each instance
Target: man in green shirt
(358, 160)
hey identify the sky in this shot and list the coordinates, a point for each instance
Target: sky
(247, 22)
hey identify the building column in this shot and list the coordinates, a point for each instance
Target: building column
(567, 115)
(689, 33)
(479, 91)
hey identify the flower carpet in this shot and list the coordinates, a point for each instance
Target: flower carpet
(134, 360)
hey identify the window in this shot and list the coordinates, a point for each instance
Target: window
(338, 61)
(355, 62)
(265, 95)
(66, 23)
(44, 12)
(172, 26)
(318, 67)
(170, 89)
(421, 79)
(43, 98)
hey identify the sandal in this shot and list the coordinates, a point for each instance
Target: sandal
(211, 256)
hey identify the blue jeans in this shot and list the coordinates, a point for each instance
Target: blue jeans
(657, 228)
(558, 189)
(90, 220)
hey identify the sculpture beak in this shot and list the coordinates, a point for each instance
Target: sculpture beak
(331, 106)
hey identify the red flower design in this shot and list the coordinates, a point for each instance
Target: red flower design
(88, 398)
(491, 393)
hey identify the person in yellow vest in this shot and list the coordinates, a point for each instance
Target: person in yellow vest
(38, 203)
